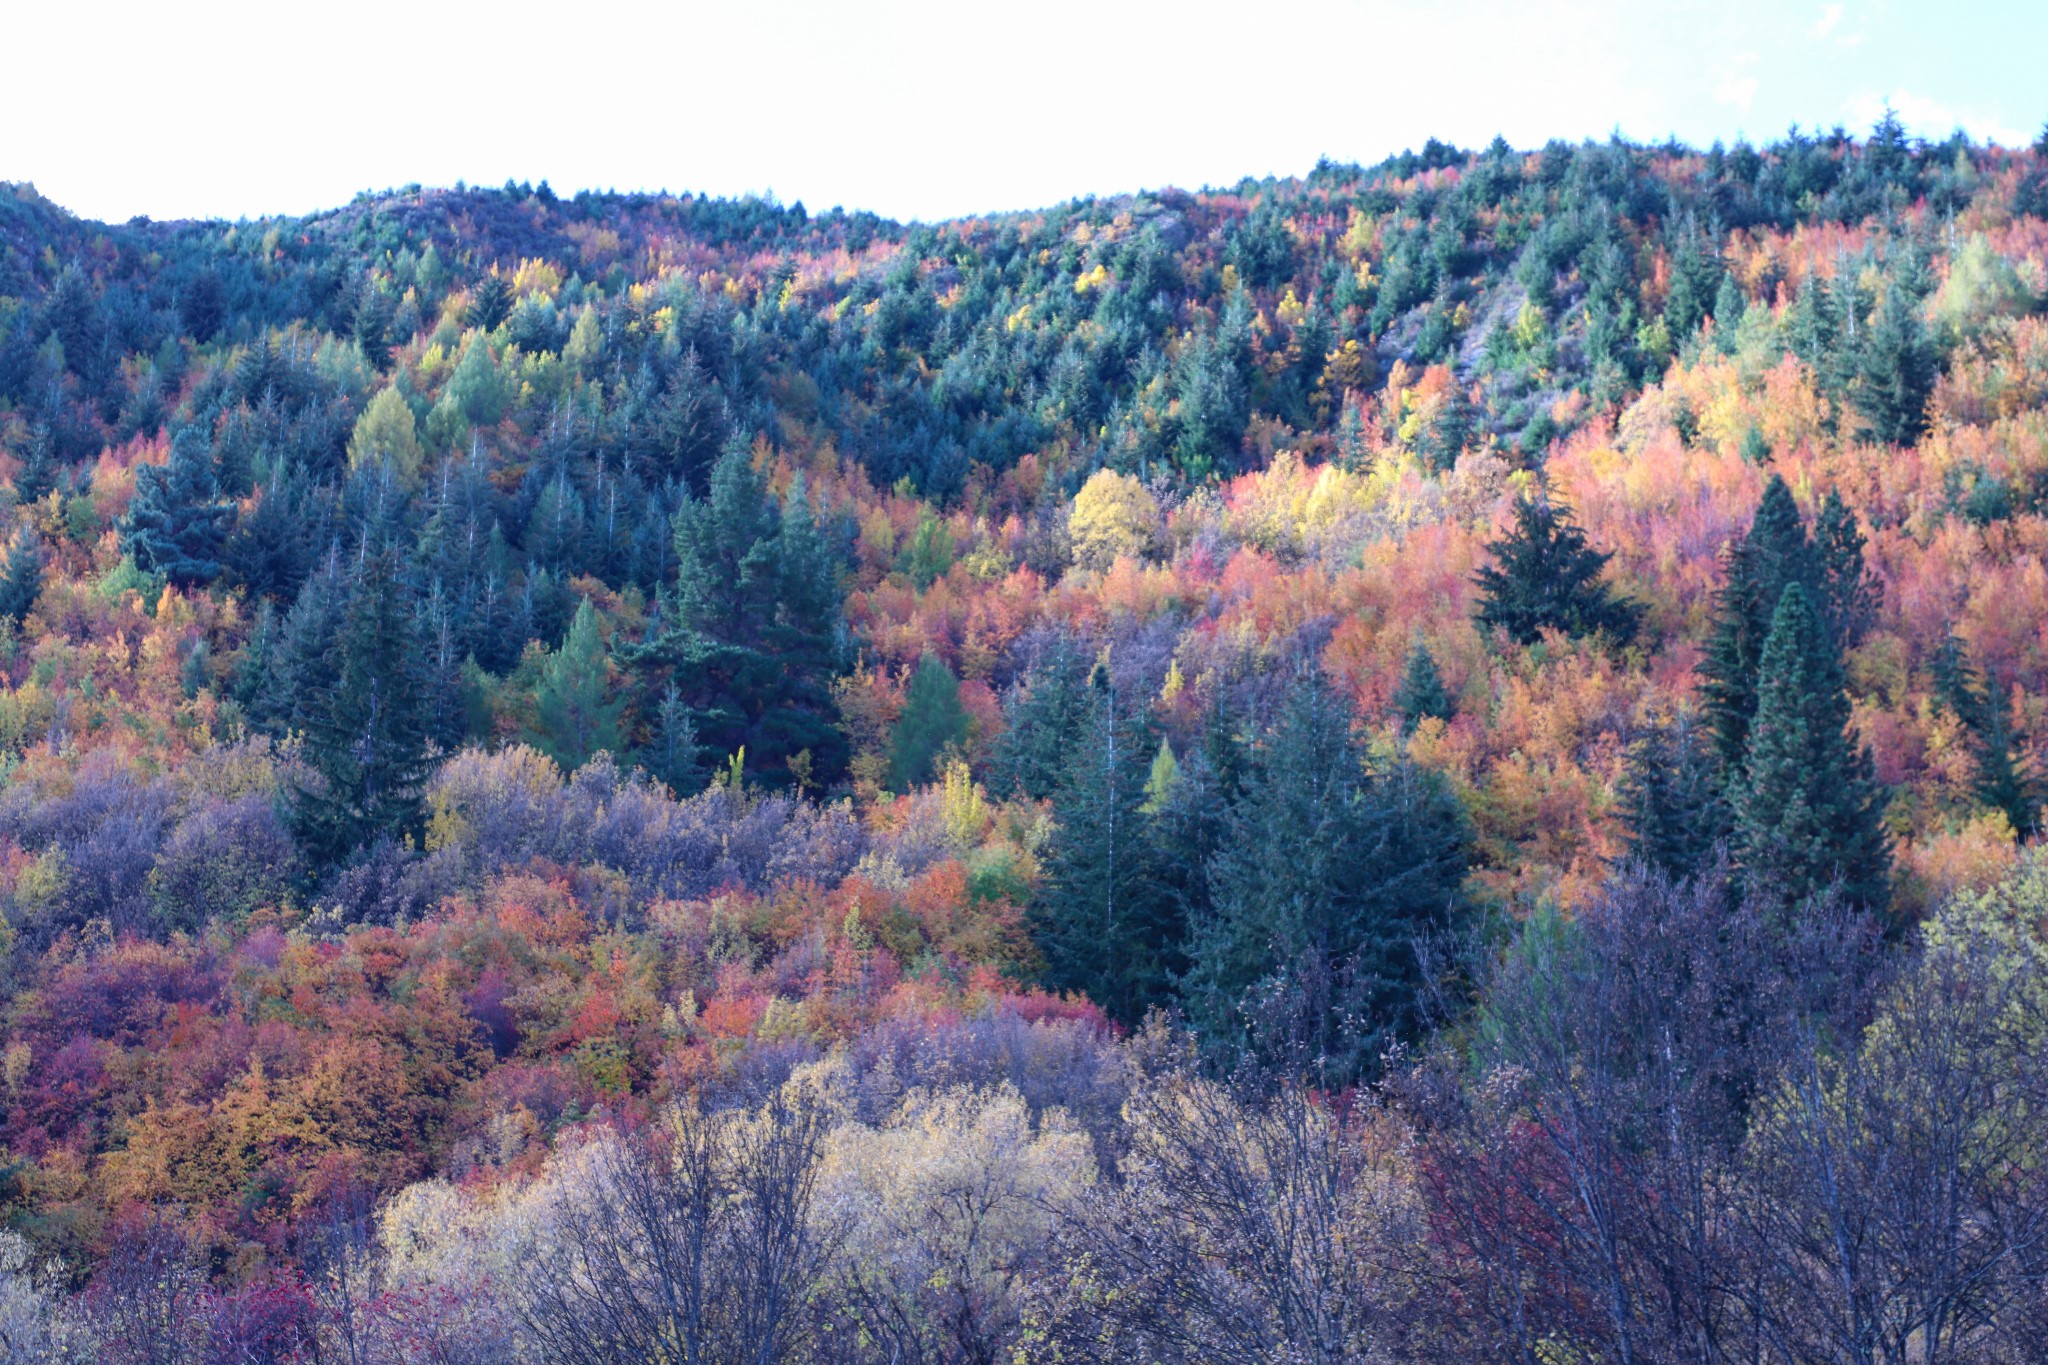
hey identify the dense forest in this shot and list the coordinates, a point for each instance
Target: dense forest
(1428, 762)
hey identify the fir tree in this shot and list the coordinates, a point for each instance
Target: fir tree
(36, 476)
(1042, 720)
(1422, 695)
(2003, 783)
(1847, 598)
(573, 704)
(1671, 804)
(1774, 553)
(1326, 877)
(751, 636)
(1546, 576)
(1102, 917)
(1897, 369)
(366, 722)
(931, 721)
(177, 522)
(1806, 806)
(490, 302)
(675, 756)
(22, 581)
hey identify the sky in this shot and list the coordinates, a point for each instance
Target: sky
(914, 109)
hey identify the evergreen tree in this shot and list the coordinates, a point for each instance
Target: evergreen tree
(490, 302)
(751, 636)
(365, 730)
(1042, 720)
(296, 664)
(1546, 576)
(37, 474)
(1774, 553)
(1163, 778)
(675, 755)
(1806, 806)
(1422, 695)
(177, 522)
(1671, 804)
(1327, 875)
(1847, 598)
(2003, 783)
(1103, 918)
(1897, 370)
(932, 719)
(573, 704)
(22, 581)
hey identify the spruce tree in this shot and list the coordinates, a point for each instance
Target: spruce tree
(1327, 875)
(1042, 720)
(751, 636)
(490, 302)
(2003, 782)
(1806, 805)
(1546, 576)
(1103, 918)
(1671, 803)
(931, 720)
(1775, 552)
(365, 733)
(177, 522)
(22, 581)
(1422, 695)
(573, 704)
(675, 756)
(1897, 370)
(36, 476)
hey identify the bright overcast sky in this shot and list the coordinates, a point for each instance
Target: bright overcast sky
(920, 109)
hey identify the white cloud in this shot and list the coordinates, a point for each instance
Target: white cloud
(1931, 118)
(1830, 20)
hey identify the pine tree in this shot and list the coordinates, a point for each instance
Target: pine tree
(573, 704)
(1671, 804)
(1806, 806)
(1102, 917)
(1422, 695)
(177, 522)
(366, 720)
(932, 720)
(1546, 576)
(1847, 598)
(1327, 875)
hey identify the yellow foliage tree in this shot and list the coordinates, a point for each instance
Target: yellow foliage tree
(1114, 515)
(387, 431)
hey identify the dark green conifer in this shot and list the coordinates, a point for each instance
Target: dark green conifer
(1775, 552)
(932, 719)
(1671, 804)
(1422, 695)
(1897, 370)
(1042, 720)
(490, 302)
(1806, 805)
(1546, 576)
(2003, 781)
(178, 523)
(365, 734)
(22, 581)
(1103, 917)
(1325, 878)
(576, 713)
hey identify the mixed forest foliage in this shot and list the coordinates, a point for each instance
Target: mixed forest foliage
(1432, 761)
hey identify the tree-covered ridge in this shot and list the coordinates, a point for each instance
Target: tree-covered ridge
(1083, 692)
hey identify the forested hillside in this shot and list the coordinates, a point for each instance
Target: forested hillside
(1427, 762)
